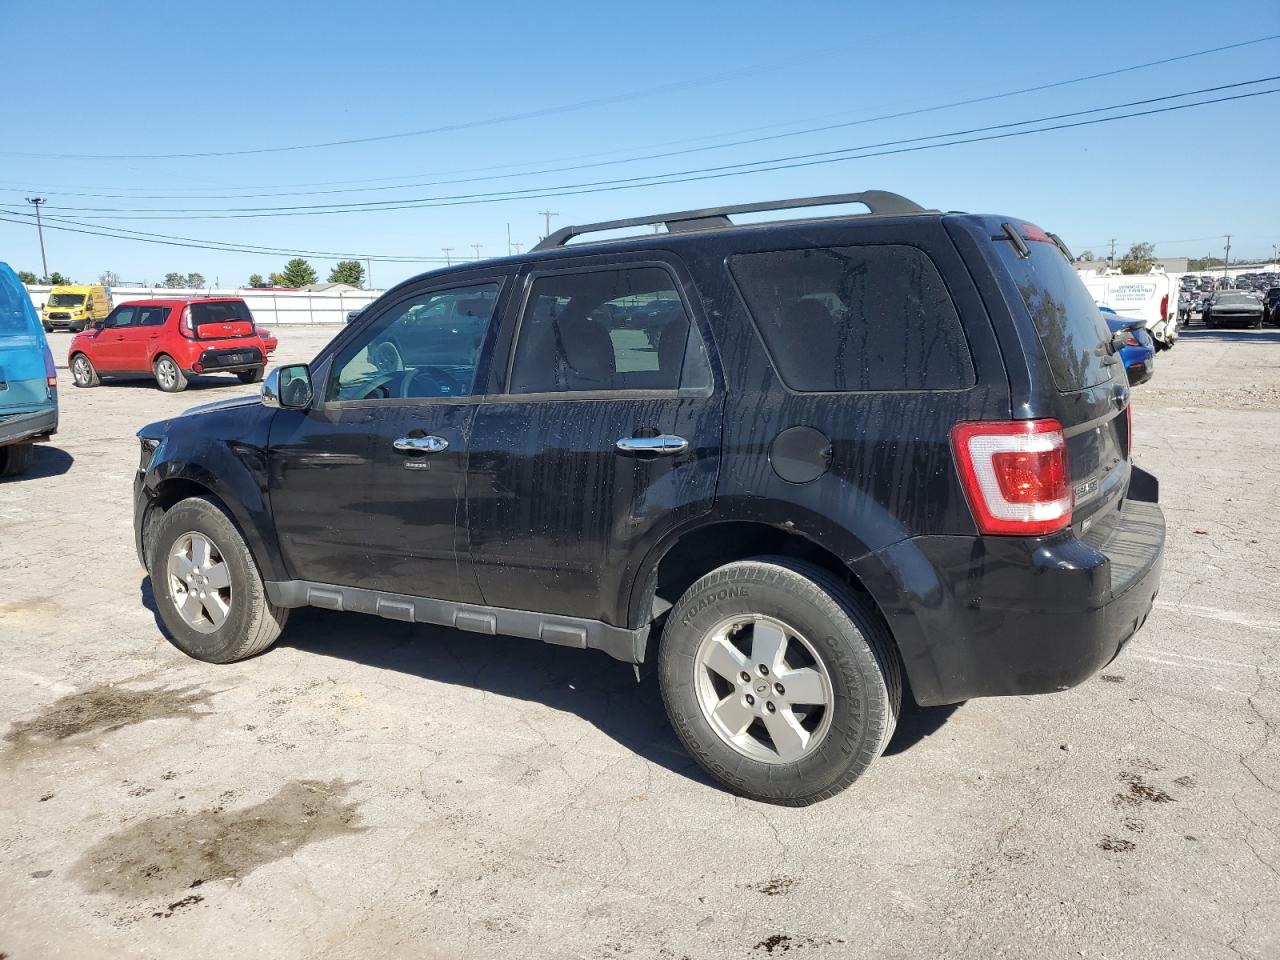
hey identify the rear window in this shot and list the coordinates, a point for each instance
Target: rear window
(1071, 330)
(851, 319)
(220, 311)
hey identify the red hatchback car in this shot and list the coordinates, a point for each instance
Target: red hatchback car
(170, 340)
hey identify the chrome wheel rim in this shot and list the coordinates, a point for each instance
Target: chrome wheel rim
(167, 372)
(763, 688)
(81, 370)
(199, 582)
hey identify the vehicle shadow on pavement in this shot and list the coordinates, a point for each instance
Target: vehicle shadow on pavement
(46, 461)
(196, 382)
(588, 683)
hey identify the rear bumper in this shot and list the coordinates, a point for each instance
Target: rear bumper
(999, 616)
(43, 423)
(228, 360)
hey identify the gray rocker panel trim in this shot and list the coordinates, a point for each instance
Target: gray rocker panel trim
(619, 642)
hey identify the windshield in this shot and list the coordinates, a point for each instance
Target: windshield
(66, 300)
(1234, 298)
(16, 312)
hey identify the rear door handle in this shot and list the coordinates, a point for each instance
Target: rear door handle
(665, 444)
(421, 444)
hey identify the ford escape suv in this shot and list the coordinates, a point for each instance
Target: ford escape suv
(800, 466)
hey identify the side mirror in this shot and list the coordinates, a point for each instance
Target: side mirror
(288, 387)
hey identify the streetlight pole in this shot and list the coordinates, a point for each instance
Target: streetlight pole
(35, 202)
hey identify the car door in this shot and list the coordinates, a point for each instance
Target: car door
(142, 337)
(111, 346)
(607, 437)
(368, 484)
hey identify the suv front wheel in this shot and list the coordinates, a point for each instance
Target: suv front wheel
(207, 587)
(779, 680)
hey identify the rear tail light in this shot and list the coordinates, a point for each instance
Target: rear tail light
(1035, 234)
(1014, 475)
(1164, 307)
(1130, 341)
(184, 325)
(50, 370)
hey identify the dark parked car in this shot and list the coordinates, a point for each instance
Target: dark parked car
(1271, 307)
(801, 466)
(1234, 308)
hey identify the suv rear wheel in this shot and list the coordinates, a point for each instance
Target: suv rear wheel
(779, 681)
(15, 459)
(207, 586)
(169, 376)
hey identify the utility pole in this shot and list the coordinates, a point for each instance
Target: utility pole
(508, 239)
(368, 274)
(35, 202)
(1111, 260)
(1226, 259)
(548, 214)
(476, 248)
(517, 244)
(448, 262)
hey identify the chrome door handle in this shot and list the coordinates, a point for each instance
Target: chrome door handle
(421, 444)
(666, 444)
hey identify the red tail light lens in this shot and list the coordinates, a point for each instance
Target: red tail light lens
(1014, 475)
(184, 324)
(1164, 307)
(50, 369)
(1131, 341)
(1035, 234)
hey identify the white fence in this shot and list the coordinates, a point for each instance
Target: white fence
(269, 307)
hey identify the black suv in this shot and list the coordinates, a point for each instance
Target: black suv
(797, 464)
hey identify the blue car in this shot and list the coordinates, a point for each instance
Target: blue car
(1138, 354)
(28, 379)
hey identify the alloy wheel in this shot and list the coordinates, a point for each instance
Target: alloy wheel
(763, 688)
(199, 582)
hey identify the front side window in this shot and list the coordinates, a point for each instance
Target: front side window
(426, 346)
(124, 317)
(866, 318)
(624, 329)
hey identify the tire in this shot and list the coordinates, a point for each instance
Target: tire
(83, 372)
(169, 376)
(47, 328)
(15, 459)
(251, 376)
(826, 624)
(250, 624)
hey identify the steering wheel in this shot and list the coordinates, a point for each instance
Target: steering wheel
(445, 384)
(386, 357)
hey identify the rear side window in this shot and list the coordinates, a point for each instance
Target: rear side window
(152, 316)
(221, 311)
(1071, 329)
(864, 318)
(623, 329)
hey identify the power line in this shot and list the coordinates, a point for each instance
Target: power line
(140, 237)
(679, 176)
(662, 155)
(677, 86)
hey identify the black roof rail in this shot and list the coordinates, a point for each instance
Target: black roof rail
(879, 202)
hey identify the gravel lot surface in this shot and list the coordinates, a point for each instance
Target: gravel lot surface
(369, 789)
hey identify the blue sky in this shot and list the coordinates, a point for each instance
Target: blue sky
(133, 78)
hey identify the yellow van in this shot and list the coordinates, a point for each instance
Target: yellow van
(75, 307)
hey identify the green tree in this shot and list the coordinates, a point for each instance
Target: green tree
(1139, 259)
(276, 280)
(58, 280)
(297, 273)
(255, 280)
(348, 271)
(1204, 263)
(174, 281)
(1087, 255)
(26, 276)
(195, 280)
